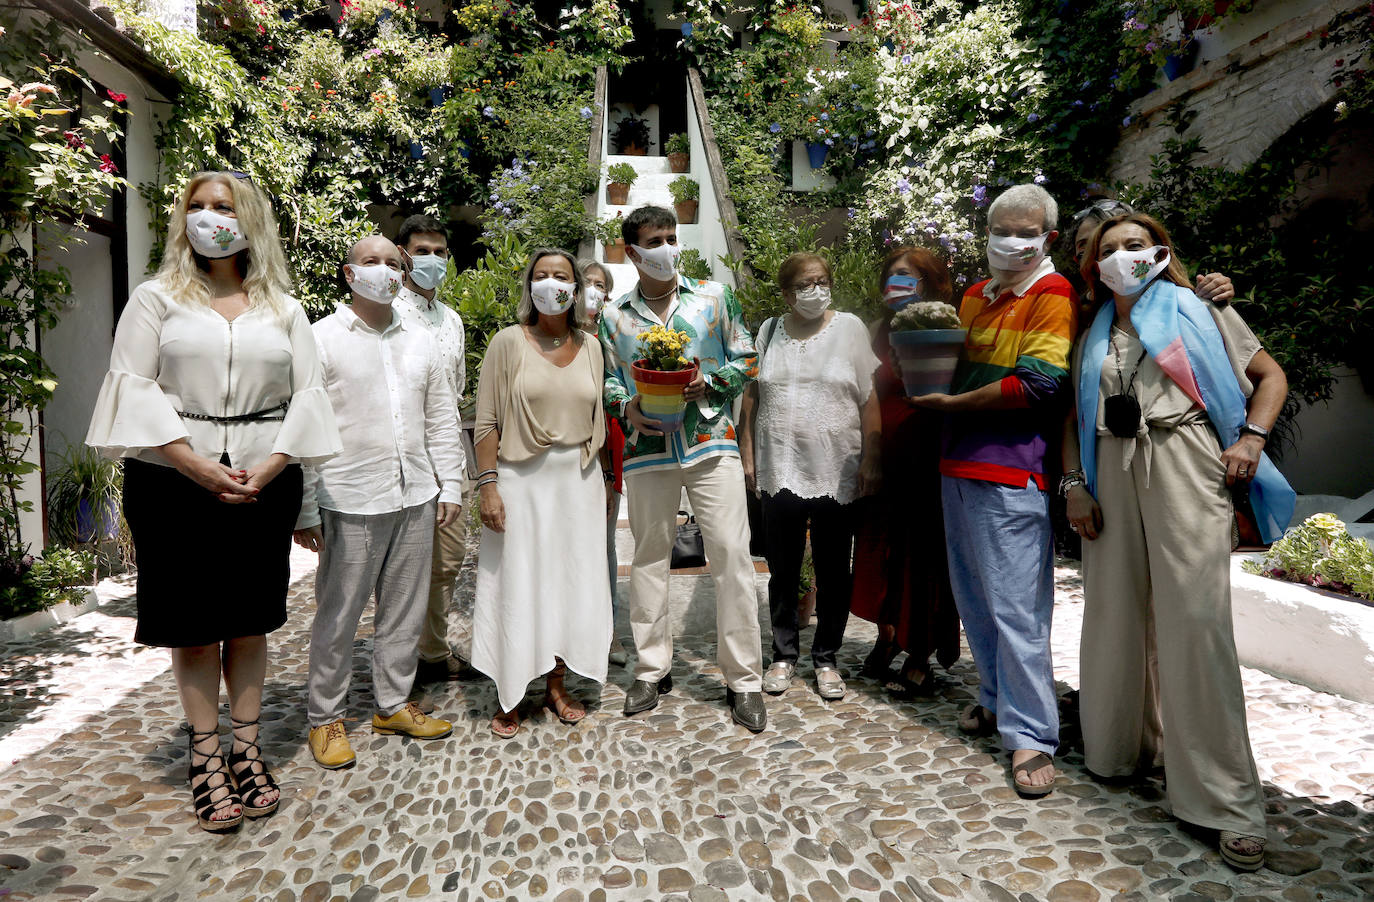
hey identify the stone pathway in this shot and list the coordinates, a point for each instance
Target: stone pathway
(862, 799)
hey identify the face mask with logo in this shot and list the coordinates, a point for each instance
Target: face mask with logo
(1128, 272)
(1007, 252)
(552, 296)
(594, 297)
(213, 234)
(378, 282)
(428, 270)
(899, 291)
(811, 301)
(658, 263)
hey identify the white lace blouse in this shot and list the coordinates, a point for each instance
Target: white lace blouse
(171, 358)
(808, 433)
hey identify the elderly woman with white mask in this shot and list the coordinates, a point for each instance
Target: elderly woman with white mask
(809, 445)
(543, 604)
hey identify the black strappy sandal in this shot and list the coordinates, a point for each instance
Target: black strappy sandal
(204, 789)
(878, 664)
(251, 776)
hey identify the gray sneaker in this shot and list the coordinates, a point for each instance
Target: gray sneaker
(829, 683)
(779, 677)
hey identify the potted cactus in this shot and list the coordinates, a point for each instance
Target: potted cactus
(686, 193)
(621, 176)
(679, 149)
(927, 338)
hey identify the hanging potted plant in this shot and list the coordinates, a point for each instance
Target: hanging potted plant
(631, 136)
(620, 176)
(84, 496)
(679, 149)
(661, 374)
(612, 240)
(927, 338)
(686, 193)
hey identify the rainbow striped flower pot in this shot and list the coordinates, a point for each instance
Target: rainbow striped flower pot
(928, 358)
(660, 394)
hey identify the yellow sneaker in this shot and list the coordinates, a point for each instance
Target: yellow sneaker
(413, 722)
(329, 745)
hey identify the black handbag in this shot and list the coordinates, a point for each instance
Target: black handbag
(688, 548)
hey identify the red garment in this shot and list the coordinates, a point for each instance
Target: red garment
(901, 572)
(615, 437)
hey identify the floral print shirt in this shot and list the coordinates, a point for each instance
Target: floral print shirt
(710, 314)
(444, 323)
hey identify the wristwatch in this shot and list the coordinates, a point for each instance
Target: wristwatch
(1252, 429)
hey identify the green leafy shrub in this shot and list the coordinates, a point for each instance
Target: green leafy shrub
(683, 188)
(1320, 553)
(692, 265)
(31, 584)
(678, 143)
(607, 230)
(621, 174)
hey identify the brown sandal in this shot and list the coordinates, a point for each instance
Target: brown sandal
(1027, 767)
(986, 720)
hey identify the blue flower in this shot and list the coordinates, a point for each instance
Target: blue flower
(1040, 179)
(488, 112)
(849, 214)
(980, 195)
(903, 186)
(1078, 103)
(829, 142)
(585, 112)
(825, 117)
(853, 87)
(906, 58)
(1033, 117)
(774, 128)
(1126, 121)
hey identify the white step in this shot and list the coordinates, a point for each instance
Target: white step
(643, 165)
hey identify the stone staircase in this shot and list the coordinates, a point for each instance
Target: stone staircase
(650, 187)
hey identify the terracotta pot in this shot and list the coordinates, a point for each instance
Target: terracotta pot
(615, 253)
(660, 394)
(617, 194)
(686, 211)
(633, 150)
(678, 162)
(806, 608)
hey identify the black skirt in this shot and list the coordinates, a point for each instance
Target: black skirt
(208, 571)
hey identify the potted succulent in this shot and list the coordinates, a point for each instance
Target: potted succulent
(621, 176)
(631, 136)
(685, 193)
(679, 149)
(927, 338)
(608, 234)
(661, 373)
(84, 495)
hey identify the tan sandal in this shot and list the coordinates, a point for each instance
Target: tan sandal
(565, 707)
(1227, 840)
(505, 724)
(986, 721)
(1028, 767)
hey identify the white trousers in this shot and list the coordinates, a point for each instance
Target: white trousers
(715, 488)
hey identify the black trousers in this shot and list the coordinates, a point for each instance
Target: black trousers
(786, 518)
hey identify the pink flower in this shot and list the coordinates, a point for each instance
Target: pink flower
(107, 165)
(116, 96)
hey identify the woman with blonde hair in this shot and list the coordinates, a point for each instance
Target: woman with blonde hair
(213, 397)
(543, 599)
(1175, 398)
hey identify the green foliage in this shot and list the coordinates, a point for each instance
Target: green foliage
(621, 173)
(630, 131)
(82, 474)
(31, 584)
(692, 265)
(486, 295)
(1321, 553)
(607, 230)
(678, 143)
(684, 188)
(50, 175)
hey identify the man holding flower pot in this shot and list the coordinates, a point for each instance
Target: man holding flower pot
(1009, 388)
(667, 451)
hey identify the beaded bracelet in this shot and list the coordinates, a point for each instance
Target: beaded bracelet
(491, 472)
(489, 481)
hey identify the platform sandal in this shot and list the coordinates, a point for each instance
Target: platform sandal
(251, 776)
(210, 797)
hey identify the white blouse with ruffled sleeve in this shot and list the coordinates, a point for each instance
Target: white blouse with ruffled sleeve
(172, 358)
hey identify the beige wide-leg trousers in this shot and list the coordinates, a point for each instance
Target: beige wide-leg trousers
(1164, 554)
(715, 488)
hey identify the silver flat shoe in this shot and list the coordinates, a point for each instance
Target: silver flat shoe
(779, 677)
(829, 683)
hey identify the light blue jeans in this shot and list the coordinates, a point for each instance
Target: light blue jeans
(1001, 566)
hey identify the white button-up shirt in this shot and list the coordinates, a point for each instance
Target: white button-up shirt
(396, 415)
(444, 323)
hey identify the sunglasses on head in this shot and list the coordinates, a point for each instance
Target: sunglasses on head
(1104, 208)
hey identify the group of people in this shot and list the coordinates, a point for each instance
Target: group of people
(240, 421)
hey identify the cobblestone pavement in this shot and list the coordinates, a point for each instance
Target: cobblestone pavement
(864, 798)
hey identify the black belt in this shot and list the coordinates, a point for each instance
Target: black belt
(242, 417)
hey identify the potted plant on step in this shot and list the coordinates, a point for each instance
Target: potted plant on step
(679, 149)
(685, 193)
(661, 374)
(927, 338)
(84, 496)
(631, 136)
(620, 177)
(608, 234)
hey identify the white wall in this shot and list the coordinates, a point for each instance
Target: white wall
(712, 241)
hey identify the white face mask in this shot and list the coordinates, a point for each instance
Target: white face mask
(428, 270)
(594, 296)
(377, 282)
(213, 234)
(811, 301)
(552, 296)
(1128, 272)
(1016, 254)
(658, 263)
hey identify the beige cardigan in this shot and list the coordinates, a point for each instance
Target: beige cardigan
(527, 428)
